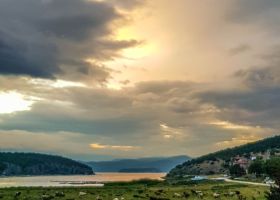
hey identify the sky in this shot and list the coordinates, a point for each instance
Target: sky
(99, 80)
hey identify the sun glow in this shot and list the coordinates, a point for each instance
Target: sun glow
(13, 102)
(138, 52)
(112, 147)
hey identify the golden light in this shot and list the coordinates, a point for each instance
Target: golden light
(13, 102)
(138, 52)
(57, 83)
(97, 146)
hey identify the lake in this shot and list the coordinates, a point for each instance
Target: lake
(64, 181)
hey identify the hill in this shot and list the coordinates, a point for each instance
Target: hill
(220, 161)
(14, 164)
(159, 164)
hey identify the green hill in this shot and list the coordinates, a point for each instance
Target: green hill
(13, 164)
(219, 162)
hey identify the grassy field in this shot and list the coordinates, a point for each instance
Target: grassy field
(152, 190)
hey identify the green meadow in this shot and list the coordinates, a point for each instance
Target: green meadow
(143, 189)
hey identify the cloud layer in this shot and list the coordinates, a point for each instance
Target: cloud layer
(210, 85)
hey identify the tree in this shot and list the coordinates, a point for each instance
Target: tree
(273, 170)
(257, 167)
(2, 167)
(237, 171)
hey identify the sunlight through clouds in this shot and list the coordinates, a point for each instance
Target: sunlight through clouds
(11, 102)
(112, 147)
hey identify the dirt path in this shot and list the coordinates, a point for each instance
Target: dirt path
(246, 182)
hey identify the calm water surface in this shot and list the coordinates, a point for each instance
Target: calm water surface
(63, 181)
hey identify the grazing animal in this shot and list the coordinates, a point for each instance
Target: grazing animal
(193, 192)
(177, 195)
(216, 195)
(82, 194)
(59, 194)
(237, 192)
(98, 198)
(47, 197)
(200, 194)
(186, 195)
(157, 193)
(231, 194)
(17, 194)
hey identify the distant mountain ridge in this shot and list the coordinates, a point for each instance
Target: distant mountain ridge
(219, 162)
(159, 164)
(17, 164)
(140, 170)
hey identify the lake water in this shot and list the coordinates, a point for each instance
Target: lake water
(64, 181)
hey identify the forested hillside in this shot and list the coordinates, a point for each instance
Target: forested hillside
(39, 164)
(218, 162)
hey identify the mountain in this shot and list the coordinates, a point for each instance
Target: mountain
(14, 164)
(140, 170)
(219, 162)
(163, 164)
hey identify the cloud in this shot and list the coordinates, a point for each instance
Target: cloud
(112, 147)
(50, 39)
(170, 132)
(228, 125)
(53, 52)
(63, 142)
(237, 141)
(239, 49)
(126, 4)
(258, 78)
(254, 11)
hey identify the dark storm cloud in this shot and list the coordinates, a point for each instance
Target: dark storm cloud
(50, 38)
(18, 58)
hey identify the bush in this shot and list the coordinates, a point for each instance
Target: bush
(2, 167)
(273, 170)
(236, 171)
(257, 167)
